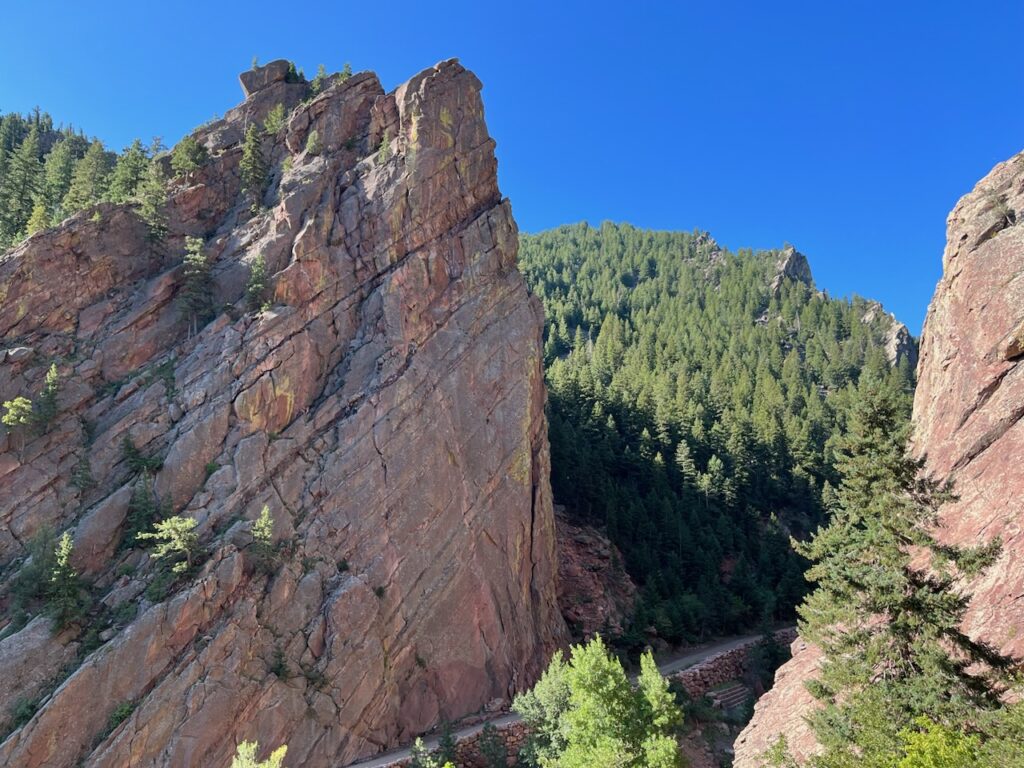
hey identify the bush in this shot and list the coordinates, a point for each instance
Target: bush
(137, 462)
(31, 584)
(66, 602)
(493, 748)
(313, 146)
(245, 757)
(274, 121)
(120, 714)
(262, 547)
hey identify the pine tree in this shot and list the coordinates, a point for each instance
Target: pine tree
(46, 404)
(129, 173)
(57, 172)
(21, 185)
(253, 169)
(187, 157)
(274, 121)
(346, 72)
(263, 548)
(39, 220)
(176, 540)
(319, 80)
(256, 288)
(88, 180)
(65, 600)
(888, 604)
(152, 192)
(196, 292)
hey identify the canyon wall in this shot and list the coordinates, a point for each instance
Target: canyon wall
(386, 405)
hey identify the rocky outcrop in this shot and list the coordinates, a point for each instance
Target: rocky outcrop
(791, 265)
(968, 411)
(387, 407)
(595, 594)
(900, 347)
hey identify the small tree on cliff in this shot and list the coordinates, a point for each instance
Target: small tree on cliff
(66, 601)
(888, 605)
(187, 157)
(176, 540)
(196, 294)
(253, 169)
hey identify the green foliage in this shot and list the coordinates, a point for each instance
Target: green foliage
(263, 550)
(379, 592)
(188, 156)
(586, 713)
(446, 746)
(160, 586)
(121, 713)
(18, 412)
(421, 757)
(46, 404)
(143, 510)
(293, 75)
(196, 294)
(152, 196)
(38, 220)
(256, 288)
(129, 172)
(247, 750)
(66, 601)
(492, 748)
(90, 179)
(279, 665)
(176, 540)
(274, 121)
(22, 711)
(888, 604)
(384, 150)
(692, 414)
(30, 586)
(253, 169)
(19, 187)
(320, 80)
(313, 146)
(137, 462)
(930, 745)
(346, 72)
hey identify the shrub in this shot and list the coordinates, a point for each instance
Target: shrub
(320, 81)
(493, 748)
(137, 462)
(176, 540)
(346, 72)
(384, 151)
(262, 547)
(121, 713)
(279, 665)
(246, 756)
(379, 592)
(274, 121)
(313, 146)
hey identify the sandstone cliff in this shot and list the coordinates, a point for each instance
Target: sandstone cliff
(388, 408)
(967, 423)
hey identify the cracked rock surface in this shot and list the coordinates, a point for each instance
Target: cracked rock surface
(967, 424)
(387, 406)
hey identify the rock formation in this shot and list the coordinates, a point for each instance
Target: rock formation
(899, 345)
(387, 407)
(595, 594)
(967, 424)
(793, 265)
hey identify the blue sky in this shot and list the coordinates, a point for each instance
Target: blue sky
(847, 128)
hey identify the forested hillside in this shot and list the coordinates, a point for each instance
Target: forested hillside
(695, 400)
(48, 173)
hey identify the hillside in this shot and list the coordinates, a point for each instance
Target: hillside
(694, 398)
(275, 462)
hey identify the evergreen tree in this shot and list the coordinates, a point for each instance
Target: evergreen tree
(66, 602)
(57, 172)
(253, 169)
(187, 157)
(46, 404)
(89, 180)
(888, 604)
(176, 540)
(275, 120)
(256, 288)
(152, 192)
(38, 221)
(129, 173)
(196, 296)
(21, 185)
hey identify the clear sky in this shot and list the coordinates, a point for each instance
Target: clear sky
(848, 128)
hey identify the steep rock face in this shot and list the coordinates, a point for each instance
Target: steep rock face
(388, 408)
(899, 345)
(595, 594)
(793, 265)
(967, 424)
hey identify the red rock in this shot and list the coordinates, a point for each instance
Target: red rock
(389, 409)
